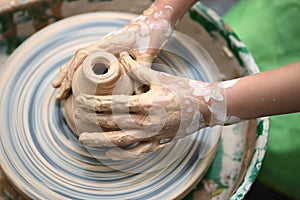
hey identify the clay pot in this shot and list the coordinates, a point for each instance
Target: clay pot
(101, 73)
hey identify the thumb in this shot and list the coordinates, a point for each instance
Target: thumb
(145, 59)
(136, 70)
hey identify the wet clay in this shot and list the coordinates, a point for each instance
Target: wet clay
(99, 74)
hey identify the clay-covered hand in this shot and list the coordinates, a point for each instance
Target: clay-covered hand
(143, 37)
(173, 107)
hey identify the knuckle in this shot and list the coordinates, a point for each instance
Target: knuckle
(80, 52)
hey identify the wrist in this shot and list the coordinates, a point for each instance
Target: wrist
(232, 101)
(216, 100)
(177, 7)
(159, 16)
(211, 102)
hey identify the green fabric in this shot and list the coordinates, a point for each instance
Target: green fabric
(271, 31)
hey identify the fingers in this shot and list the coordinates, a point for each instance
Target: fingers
(61, 76)
(139, 146)
(65, 89)
(63, 82)
(138, 151)
(111, 138)
(77, 60)
(64, 79)
(115, 103)
(66, 73)
(110, 122)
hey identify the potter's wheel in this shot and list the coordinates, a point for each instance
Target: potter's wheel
(40, 154)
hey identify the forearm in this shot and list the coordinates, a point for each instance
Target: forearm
(268, 93)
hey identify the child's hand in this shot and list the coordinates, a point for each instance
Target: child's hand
(143, 38)
(173, 107)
